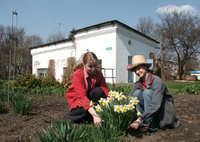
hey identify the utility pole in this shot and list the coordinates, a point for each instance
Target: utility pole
(12, 44)
(161, 55)
(15, 37)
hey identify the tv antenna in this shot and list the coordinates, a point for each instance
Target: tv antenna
(59, 24)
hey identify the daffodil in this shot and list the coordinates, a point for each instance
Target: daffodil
(104, 102)
(131, 98)
(110, 92)
(124, 109)
(138, 113)
(98, 108)
(91, 103)
(120, 97)
(117, 108)
(130, 107)
(112, 98)
(134, 101)
(101, 100)
(115, 94)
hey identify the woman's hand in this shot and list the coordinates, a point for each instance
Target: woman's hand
(96, 118)
(135, 124)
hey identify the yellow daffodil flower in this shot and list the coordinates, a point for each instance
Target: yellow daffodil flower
(91, 103)
(111, 98)
(124, 109)
(134, 101)
(101, 100)
(98, 108)
(131, 98)
(104, 102)
(117, 108)
(138, 113)
(110, 93)
(130, 107)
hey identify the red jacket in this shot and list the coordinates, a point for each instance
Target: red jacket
(77, 92)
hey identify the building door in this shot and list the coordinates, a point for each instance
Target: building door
(130, 74)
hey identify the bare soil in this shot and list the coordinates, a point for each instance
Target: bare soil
(14, 127)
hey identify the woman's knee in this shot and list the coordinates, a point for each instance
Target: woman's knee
(97, 93)
(148, 93)
(137, 93)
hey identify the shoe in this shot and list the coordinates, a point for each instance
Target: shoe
(153, 129)
(177, 123)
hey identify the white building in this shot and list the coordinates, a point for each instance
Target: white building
(196, 73)
(113, 42)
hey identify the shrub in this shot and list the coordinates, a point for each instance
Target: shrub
(66, 80)
(50, 81)
(21, 104)
(27, 80)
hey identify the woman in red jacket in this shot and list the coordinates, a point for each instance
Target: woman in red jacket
(88, 84)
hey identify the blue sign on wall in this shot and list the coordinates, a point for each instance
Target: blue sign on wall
(194, 71)
(150, 61)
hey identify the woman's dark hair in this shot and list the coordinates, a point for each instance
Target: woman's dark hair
(87, 57)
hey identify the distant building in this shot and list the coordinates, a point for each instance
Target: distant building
(113, 42)
(196, 73)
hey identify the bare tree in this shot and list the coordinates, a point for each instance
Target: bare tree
(55, 37)
(181, 34)
(16, 49)
(23, 57)
(146, 26)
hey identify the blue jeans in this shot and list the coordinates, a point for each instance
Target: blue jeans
(145, 98)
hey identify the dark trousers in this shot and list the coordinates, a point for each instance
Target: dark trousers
(79, 114)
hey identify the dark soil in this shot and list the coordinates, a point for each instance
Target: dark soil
(14, 127)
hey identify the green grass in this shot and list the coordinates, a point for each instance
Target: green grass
(181, 85)
(173, 86)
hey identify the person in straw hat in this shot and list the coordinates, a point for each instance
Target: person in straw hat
(156, 104)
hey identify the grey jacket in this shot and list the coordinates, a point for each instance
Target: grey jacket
(162, 101)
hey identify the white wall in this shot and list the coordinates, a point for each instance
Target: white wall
(97, 43)
(59, 52)
(139, 46)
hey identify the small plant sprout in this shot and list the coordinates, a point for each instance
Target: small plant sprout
(138, 113)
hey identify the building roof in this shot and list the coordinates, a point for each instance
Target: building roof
(51, 43)
(98, 26)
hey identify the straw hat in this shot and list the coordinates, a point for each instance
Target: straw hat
(136, 61)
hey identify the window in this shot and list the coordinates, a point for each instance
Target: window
(42, 73)
(64, 70)
(99, 67)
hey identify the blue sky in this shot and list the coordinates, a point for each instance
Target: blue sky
(42, 17)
